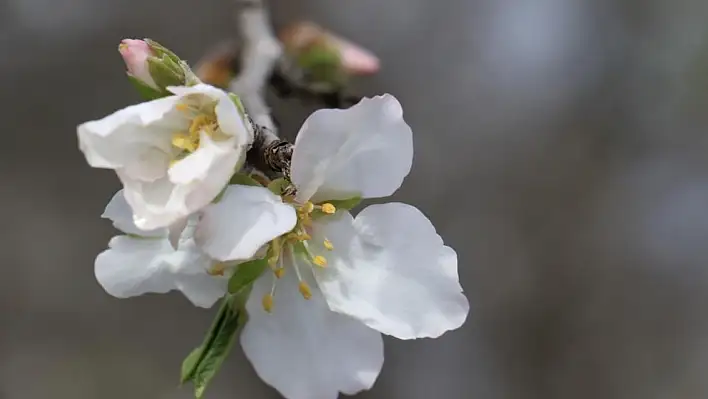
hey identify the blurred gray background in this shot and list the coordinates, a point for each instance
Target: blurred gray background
(561, 148)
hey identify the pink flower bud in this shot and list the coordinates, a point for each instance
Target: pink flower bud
(355, 59)
(135, 53)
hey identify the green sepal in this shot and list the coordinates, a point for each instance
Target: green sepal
(246, 273)
(324, 65)
(165, 72)
(161, 51)
(239, 105)
(278, 186)
(146, 91)
(244, 180)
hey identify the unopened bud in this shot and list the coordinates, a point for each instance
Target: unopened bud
(154, 68)
(321, 48)
(135, 53)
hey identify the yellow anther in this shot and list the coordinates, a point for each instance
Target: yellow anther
(184, 142)
(279, 272)
(268, 303)
(308, 207)
(181, 107)
(328, 208)
(328, 244)
(217, 270)
(122, 46)
(201, 122)
(320, 261)
(305, 290)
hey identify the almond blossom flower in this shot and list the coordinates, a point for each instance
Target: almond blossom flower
(173, 155)
(141, 262)
(338, 281)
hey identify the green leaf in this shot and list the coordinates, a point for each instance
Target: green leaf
(279, 185)
(190, 363)
(146, 91)
(215, 354)
(346, 204)
(202, 364)
(244, 180)
(246, 273)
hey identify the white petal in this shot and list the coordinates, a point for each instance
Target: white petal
(202, 289)
(303, 349)
(175, 230)
(192, 184)
(211, 165)
(155, 204)
(136, 139)
(190, 266)
(390, 269)
(365, 150)
(120, 213)
(243, 220)
(134, 266)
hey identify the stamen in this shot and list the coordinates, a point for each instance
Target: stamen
(274, 253)
(302, 286)
(308, 207)
(328, 208)
(279, 271)
(328, 244)
(268, 303)
(217, 269)
(269, 298)
(182, 107)
(305, 290)
(320, 261)
(184, 142)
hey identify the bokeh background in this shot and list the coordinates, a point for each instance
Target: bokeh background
(561, 148)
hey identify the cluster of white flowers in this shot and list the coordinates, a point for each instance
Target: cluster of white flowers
(335, 281)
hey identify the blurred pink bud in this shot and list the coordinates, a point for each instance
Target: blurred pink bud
(135, 53)
(355, 59)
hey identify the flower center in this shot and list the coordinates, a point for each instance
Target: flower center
(297, 245)
(202, 119)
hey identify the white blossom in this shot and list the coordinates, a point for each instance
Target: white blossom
(173, 155)
(385, 271)
(141, 262)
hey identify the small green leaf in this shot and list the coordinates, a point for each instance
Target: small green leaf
(146, 91)
(190, 363)
(244, 180)
(246, 273)
(279, 185)
(346, 204)
(213, 356)
(202, 364)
